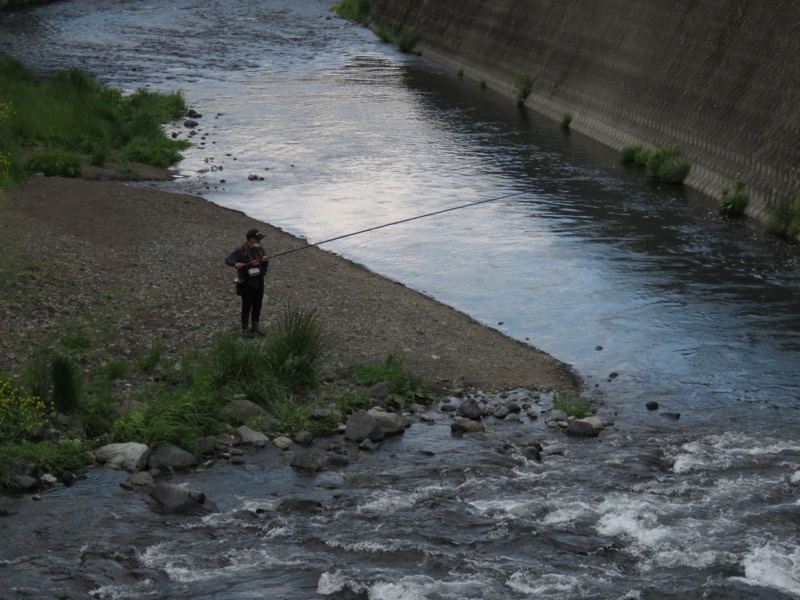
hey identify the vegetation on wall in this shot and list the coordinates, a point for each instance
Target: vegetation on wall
(355, 10)
(662, 164)
(523, 84)
(734, 201)
(784, 220)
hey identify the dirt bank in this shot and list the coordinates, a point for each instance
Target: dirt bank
(124, 266)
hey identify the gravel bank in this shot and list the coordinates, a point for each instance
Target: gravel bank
(126, 265)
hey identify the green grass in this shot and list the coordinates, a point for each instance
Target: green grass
(523, 84)
(355, 10)
(784, 220)
(734, 201)
(69, 120)
(394, 374)
(566, 121)
(663, 164)
(572, 405)
(67, 383)
(67, 454)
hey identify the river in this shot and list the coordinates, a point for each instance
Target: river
(644, 289)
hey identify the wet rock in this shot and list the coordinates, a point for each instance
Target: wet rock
(254, 438)
(206, 445)
(501, 412)
(470, 409)
(580, 428)
(652, 405)
(142, 479)
(169, 456)
(176, 500)
(190, 123)
(304, 437)
(305, 460)
(465, 425)
(129, 456)
(48, 480)
(361, 426)
(671, 415)
(390, 422)
(300, 505)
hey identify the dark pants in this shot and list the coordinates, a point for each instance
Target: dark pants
(252, 299)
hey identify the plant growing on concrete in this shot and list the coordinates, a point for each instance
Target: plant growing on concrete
(571, 405)
(667, 165)
(355, 10)
(634, 155)
(523, 83)
(784, 220)
(407, 39)
(734, 201)
(482, 84)
(566, 121)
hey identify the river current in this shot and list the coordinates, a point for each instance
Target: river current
(582, 258)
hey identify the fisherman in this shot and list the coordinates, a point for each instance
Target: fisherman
(251, 262)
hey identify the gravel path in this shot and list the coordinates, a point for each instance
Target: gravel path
(126, 266)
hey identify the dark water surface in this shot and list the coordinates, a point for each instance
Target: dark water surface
(588, 262)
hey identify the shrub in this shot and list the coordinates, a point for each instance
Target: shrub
(56, 163)
(734, 201)
(572, 406)
(20, 414)
(667, 165)
(523, 83)
(68, 454)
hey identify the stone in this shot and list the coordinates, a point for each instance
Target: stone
(282, 442)
(304, 437)
(142, 479)
(254, 438)
(306, 460)
(169, 456)
(465, 425)
(390, 422)
(178, 500)
(580, 428)
(361, 426)
(652, 405)
(245, 408)
(129, 456)
(470, 409)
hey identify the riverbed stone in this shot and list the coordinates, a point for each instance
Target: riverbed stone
(465, 425)
(361, 426)
(306, 460)
(129, 456)
(390, 422)
(470, 409)
(581, 428)
(169, 456)
(177, 500)
(249, 436)
(246, 408)
(282, 442)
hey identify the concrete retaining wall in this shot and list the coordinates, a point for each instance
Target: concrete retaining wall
(718, 78)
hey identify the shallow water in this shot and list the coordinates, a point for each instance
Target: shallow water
(588, 262)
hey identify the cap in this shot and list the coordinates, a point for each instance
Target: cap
(254, 233)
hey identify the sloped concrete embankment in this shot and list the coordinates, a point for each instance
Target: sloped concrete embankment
(718, 78)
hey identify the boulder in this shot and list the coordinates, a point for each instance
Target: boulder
(305, 460)
(176, 500)
(361, 426)
(169, 456)
(245, 408)
(130, 456)
(580, 428)
(390, 422)
(470, 409)
(465, 425)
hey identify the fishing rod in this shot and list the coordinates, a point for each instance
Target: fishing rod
(438, 212)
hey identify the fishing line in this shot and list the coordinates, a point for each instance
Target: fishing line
(438, 212)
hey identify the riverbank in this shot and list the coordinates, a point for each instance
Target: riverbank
(126, 266)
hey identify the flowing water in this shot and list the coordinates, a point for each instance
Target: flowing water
(587, 261)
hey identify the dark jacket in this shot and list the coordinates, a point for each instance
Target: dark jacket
(246, 254)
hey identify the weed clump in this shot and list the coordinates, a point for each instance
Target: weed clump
(523, 84)
(571, 405)
(734, 201)
(666, 164)
(784, 220)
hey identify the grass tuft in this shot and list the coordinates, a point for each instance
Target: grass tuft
(573, 406)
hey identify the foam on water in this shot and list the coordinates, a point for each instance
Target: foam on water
(775, 565)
